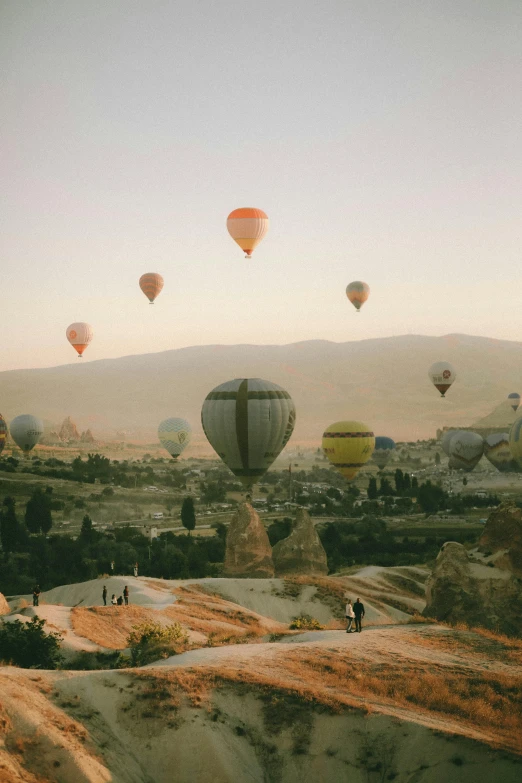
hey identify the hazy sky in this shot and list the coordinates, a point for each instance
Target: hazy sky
(383, 139)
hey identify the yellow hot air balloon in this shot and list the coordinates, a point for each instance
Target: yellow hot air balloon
(358, 292)
(79, 335)
(151, 284)
(247, 226)
(348, 445)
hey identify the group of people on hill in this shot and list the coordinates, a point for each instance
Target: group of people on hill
(122, 599)
(354, 612)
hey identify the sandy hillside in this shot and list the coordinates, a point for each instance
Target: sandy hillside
(220, 609)
(412, 703)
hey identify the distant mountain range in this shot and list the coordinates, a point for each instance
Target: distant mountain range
(384, 382)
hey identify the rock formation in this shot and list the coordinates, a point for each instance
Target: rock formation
(68, 430)
(302, 552)
(248, 550)
(501, 540)
(4, 606)
(87, 437)
(466, 587)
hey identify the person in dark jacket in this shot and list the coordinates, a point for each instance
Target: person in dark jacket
(120, 601)
(36, 595)
(358, 610)
(104, 595)
(126, 595)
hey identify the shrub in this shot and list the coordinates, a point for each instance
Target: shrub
(305, 623)
(150, 641)
(27, 645)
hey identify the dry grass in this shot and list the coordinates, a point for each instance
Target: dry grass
(109, 626)
(478, 643)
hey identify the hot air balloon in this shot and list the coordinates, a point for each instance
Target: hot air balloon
(151, 284)
(26, 431)
(248, 422)
(514, 400)
(465, 450)
(442, 375)
(174, 435)
(383, 451)
(497, 451)
(247, 226)
(79, 335)
(348, 445)
(446, 438)
(3, 432)
(515, 441)
(357, 292)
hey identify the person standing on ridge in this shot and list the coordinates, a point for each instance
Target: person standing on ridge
(350, 616)
(104, 595)
(126, 595)
(36, 595)
(358, 609)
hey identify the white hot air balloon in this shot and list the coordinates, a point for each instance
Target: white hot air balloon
(174, 435)
(465, 450)
(79, 335)
(442, 375)
(26, 431)
(248, 422)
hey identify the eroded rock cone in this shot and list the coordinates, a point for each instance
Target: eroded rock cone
(248, 550)
(460, 589)
(302, 552)
(69, 430)
(4, 606)
(502, 538)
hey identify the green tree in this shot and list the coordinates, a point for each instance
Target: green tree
(29, 646)
(437, 458)
(87, 534)
(372, 489)
(399, 481)
(38, 517)
(188, 514)
(11, 532)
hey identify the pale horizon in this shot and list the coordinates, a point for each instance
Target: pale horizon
(382, 141)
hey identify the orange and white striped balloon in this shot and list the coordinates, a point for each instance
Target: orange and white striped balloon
(247, 226)
(79, 335)
(151, 284)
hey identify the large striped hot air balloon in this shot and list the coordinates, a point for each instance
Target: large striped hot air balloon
(442, 375)
(348, 445)
(151, 284)
(247, 226)
(79, 335)
(248, 422)
(174, 435)
(26, 431)
(358, 292)
(3, 432)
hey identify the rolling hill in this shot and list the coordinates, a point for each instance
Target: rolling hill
(384, 382)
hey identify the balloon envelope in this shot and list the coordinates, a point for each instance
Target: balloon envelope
(348, 445)
(79, 335)
(515, 441)
(26, 431)
(383, 450)
(248, 422)
(465, 450)
(514, 400)
(151, 284)
(446, 439)
(357, 293)
(174, 435)
(247, 226)
(442, 375)
(497, 451)
(3, 432)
